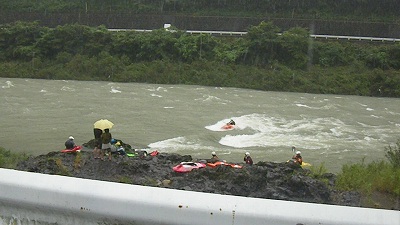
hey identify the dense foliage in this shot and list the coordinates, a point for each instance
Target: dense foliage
(325, 9)
(262, 59)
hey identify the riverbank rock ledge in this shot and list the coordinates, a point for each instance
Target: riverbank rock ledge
(282, 181)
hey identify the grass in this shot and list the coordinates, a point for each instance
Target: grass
(78, 160)
(124, 180)
(10, 160)
(378, 176)
(63, 170)
(318, 171)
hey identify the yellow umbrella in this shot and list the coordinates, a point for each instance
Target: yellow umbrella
(103, 124)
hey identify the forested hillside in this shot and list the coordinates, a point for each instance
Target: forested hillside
(262, 59)
(70, 40)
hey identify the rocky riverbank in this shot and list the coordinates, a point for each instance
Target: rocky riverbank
(270, 180)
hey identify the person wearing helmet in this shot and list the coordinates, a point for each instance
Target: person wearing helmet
(70, 144)
(248, 159)
(214, 157)
(297, 158)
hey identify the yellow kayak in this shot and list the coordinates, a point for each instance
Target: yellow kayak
(303, 165)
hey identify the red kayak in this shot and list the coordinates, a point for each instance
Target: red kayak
(77, 148)
(185, 167)
(228, 127)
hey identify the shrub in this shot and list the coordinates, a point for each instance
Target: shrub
(393, 154)
(368, 178)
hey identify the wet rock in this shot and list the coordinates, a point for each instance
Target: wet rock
(270, 180)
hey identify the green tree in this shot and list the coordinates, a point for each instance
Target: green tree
(74, 39)
(330, 54)
(263, 43)
(157, 45)
(293, 47)
(126, 44)
(230, 50)
(394, 56)
(17, 40)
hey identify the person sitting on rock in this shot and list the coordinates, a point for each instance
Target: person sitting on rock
(70, 144)
(214, 157)
(120, 150)
(248, 159)
(297, 158)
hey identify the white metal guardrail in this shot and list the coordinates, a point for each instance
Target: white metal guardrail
(355, 38)
(316, 36)
(32, 198)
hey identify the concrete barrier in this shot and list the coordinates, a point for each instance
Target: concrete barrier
(32, 198)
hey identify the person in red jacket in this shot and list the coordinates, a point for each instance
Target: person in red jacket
(297, 158)
(248, 159)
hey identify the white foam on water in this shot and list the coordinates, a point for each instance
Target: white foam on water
(157, 89)
(114, 90)
(210, 98)
(9, 84)
(176, 144)
(155, 95)
(302, 105)
(161, 89)
(66, 88)
(260, 130)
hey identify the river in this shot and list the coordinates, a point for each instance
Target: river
(37, 116)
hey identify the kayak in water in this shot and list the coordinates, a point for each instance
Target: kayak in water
(228, 127)
(77, 148)
(185, 167)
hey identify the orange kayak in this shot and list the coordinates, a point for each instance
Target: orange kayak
(224, 164)
(228, 127)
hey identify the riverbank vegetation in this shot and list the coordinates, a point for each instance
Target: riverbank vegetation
(262, 59)
(9, 159)
(369, 10)
(379, 176)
